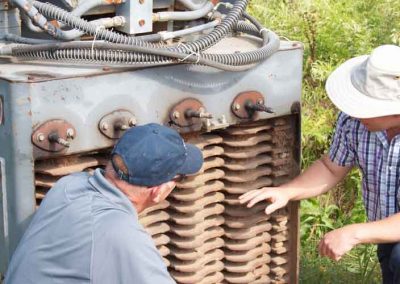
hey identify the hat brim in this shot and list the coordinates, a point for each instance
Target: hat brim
(193, 162)
(350, 100)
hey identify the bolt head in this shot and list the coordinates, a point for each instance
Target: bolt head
(141, 1)
(132, 122)
(142, 22)
(176, 114)
(104, 126)
(70, 133)
(237, 106)
(40, 137)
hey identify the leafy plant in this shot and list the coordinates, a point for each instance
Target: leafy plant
(332, 32)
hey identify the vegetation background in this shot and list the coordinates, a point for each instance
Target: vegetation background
(332, 31)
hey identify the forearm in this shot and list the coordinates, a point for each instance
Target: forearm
(320, 177)
(383, 231)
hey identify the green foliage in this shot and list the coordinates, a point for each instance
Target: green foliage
(332, 32)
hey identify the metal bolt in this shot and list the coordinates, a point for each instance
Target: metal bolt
(176, 114)
(142, 22)
(104, 126)
(123, 127)
(40, 137)
(70, 133)
(141, 1)
(132, 122)
(236, 106)
(63, 142)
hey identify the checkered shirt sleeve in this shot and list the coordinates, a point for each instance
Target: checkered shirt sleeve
(341, 151)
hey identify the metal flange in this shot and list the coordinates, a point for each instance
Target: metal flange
(247, 104)
(53, 135)
(114, 124)
(189, 113)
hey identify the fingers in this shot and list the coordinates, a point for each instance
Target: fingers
(273, 207)
(260, 197)
(325, 249)
(249, 195)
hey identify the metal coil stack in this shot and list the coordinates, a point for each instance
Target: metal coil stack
(196, 219)
(247, 157)
(202, 232)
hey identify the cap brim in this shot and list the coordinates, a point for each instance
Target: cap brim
(350, 100)
(194, 161)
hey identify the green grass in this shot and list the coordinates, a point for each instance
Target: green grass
(332, 32)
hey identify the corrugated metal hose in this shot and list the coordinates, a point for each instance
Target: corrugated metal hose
(124, 50)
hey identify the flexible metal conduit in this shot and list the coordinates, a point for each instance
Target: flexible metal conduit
(38, 18)
(183, 16)
(104, 52)
(29, 24)
(149, 53)
(116, 21)
(25, 40)
(207, 41)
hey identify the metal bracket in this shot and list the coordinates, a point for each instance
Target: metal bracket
(114, 124)
(188, 115)
(53, 135)
(247, 104)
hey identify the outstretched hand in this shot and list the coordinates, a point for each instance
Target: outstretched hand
(277, 198)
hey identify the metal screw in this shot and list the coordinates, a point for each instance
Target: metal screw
(141, 1)
(70, 133)
(176, 114)
(142, 22)
(104, 126)
(236, 106)
(40, 137)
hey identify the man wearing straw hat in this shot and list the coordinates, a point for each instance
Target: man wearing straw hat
(366, 89)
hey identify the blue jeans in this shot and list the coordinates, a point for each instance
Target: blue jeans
(389, 259)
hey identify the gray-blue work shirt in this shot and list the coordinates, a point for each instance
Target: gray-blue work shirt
(86, 231)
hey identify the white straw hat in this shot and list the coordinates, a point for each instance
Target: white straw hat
(368, 86)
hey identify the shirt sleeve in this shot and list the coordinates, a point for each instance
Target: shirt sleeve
(124, 253)
(341, 151)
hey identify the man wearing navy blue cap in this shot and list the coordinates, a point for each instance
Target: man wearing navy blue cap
(86, 229)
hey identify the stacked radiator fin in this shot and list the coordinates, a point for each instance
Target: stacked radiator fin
(202, 232)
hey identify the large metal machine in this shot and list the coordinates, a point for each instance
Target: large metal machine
(74, 75)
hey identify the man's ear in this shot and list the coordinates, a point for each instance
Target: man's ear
(155, 193)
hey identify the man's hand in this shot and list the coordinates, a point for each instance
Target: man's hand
(338, 242)
(278, 198)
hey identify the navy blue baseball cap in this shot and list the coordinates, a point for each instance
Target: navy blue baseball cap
(153, 154)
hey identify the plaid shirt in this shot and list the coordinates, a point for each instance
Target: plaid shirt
(378, 159)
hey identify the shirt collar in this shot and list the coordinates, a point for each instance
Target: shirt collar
(102, 185)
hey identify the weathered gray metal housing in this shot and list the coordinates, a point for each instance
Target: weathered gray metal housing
(34, 93)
